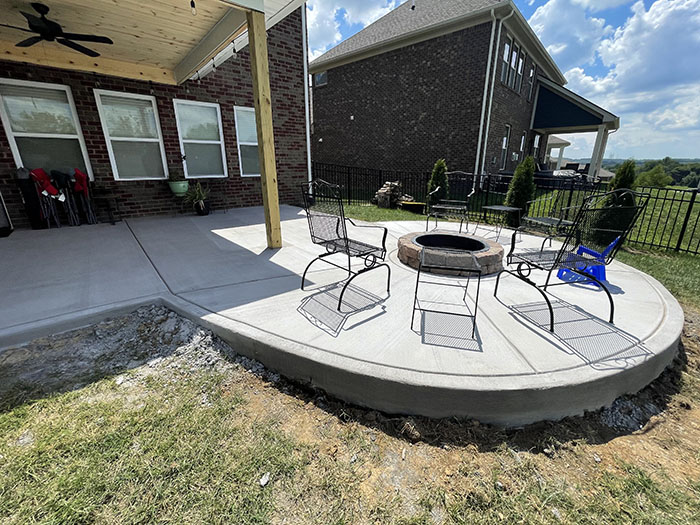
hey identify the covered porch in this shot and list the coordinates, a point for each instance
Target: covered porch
(159, 42)
(560, 110)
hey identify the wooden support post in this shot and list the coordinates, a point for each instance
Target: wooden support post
(257, 36)
(561, 157)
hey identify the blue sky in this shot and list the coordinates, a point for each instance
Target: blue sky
(640, 59)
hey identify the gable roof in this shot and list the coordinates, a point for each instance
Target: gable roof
(431, 18)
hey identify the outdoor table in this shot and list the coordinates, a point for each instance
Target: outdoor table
(501, 214)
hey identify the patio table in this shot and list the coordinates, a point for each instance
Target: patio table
(501, 212)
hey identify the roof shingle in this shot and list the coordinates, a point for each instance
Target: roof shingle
(403, 21)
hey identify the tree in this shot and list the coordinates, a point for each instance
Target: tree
(521, 188)
(624, 176)
(692, 180)
(657, 177)
(438, 179)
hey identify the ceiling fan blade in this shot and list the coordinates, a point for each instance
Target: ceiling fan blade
(88, 38)
(20, 28)
(32, 19)
(29, 41)
(78, 47)
(42, 9)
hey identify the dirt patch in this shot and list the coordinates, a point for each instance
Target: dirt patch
(379, 461)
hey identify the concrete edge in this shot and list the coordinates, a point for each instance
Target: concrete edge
(23, 334)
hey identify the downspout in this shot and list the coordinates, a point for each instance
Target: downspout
(306, 92)
(485, 95)
(493, 82)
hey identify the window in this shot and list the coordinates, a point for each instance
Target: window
(321, 79)
(536, 147)
(504, 147)
(513, 65)
(42, 126)
(506, 60)
(132, 131)
(201, 138)
(519, 73)
(531, 82)
(523, 139)
(247, 138)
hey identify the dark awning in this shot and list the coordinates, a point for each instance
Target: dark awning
(559, 110)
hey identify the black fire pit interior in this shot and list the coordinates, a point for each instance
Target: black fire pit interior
(451, 242)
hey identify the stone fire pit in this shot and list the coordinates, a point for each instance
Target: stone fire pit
(488, 253)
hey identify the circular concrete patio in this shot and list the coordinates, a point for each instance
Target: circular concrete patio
(513, 372)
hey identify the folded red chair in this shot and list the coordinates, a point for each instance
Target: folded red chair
(81, 182)
(44, 182)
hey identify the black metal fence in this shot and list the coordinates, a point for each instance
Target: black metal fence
(670, 221)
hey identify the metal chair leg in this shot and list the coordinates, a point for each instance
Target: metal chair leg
(531, 283)
(605, 288)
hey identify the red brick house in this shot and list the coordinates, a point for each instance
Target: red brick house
(464, 80)
(132, 136)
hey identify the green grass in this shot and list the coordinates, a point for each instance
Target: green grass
(372, 213)
(159, 455)
(678, 272)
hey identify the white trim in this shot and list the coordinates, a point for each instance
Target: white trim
(236, 109)
(505, 144)
(485, 95)
(182, 140)
(307, 106)
(76, 122)
(98, 99)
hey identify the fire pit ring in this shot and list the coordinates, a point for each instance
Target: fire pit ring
(488, 253)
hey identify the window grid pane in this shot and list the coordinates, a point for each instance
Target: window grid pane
(198, 122)
(38, 110)
(129, 117)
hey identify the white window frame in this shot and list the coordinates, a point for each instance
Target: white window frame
(100, 109)
(513, 67)
(320, 75)
(531, 79)
(536, 146)
(11, 135)
(504, 147)
(236, 109)
(522, 60)
(183, 140)
(507, 51)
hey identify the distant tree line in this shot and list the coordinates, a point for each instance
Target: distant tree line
(665, 172)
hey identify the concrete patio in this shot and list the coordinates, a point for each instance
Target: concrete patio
(218, 271)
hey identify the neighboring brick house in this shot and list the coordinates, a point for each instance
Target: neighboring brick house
(220, 103)
(417, 85)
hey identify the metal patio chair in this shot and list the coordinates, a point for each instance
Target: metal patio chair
(601, 220)
(438, 260)
(449, 208)
(327, 226)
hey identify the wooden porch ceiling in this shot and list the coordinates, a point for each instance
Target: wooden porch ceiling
(156, 40)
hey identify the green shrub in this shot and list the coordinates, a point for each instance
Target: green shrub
(521, 188)
(438, 178)
(656, 177)
(624, 176)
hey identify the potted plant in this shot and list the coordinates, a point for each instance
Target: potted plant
(178, 185)
(199, 198)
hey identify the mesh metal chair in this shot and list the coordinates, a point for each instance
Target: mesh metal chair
(449, 208)
(327, 226)
(600, 221)
(437, 260)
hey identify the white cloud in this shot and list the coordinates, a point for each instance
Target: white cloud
(324, 22)
(569, 34)
(652, 80)
(600, 5)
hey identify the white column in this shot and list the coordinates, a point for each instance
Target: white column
(598, 151)
(561, 157)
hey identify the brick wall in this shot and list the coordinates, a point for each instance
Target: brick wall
(409, 107)
(513, 108)
(230, 86)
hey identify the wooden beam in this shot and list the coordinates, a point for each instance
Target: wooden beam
(48, 55)
(222, 34)
(266, 139)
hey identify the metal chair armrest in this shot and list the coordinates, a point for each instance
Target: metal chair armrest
(386, 231)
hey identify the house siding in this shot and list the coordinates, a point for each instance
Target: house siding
(230, 85)
(409, 107)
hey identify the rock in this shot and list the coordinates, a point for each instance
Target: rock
(596, 458)
(556, 513)
(353, 458)
(500, 486)
(265, 479)
(26, 439)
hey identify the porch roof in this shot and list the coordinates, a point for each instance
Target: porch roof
(560, 110)
(158, 40)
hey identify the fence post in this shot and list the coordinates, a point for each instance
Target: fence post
(694, 194)
(487, 178)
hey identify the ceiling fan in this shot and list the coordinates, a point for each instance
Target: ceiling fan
(51, 31)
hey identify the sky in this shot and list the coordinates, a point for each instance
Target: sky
(639, 59)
